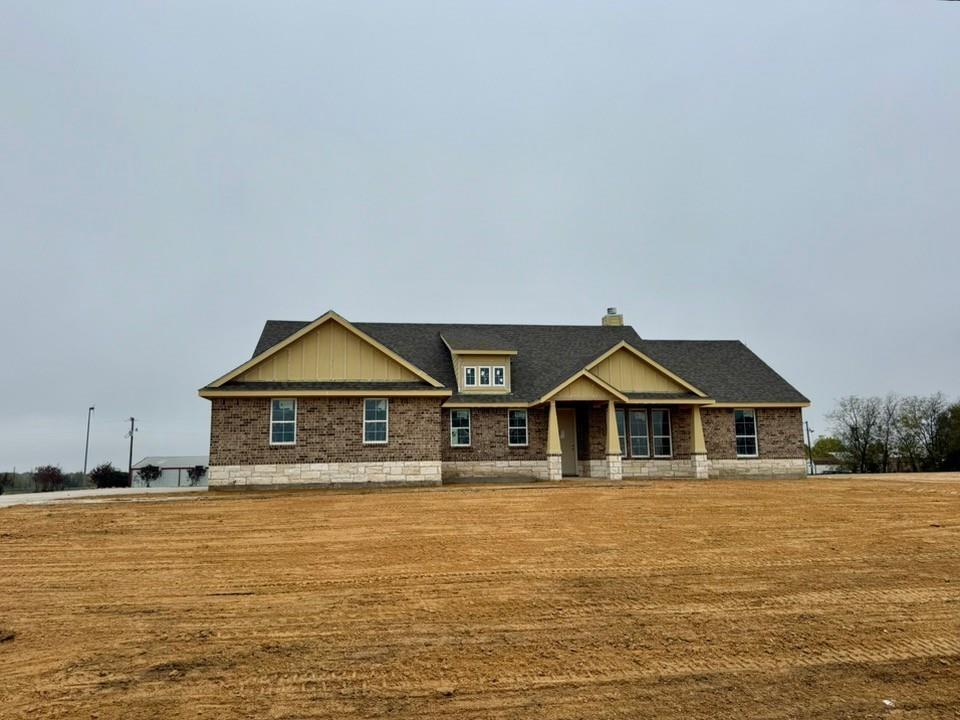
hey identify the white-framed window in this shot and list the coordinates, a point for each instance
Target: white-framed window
(469, 376)
(745, 422)
(499, 375)
(517, 428)
(621, 433)
(283, 421)
(376, 421)
(662, 443)
(459, 428)
(484, 373)
(639, 435)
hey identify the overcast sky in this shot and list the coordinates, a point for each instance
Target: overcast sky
(173, 174)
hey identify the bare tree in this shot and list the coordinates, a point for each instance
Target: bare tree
(856, 422)
(888, 427)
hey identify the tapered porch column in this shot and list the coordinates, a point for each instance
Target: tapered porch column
(698, 453)
(554, 451)
(614, 461)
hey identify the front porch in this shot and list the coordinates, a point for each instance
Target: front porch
(603, 439)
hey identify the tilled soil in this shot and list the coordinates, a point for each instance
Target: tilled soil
(781, 599)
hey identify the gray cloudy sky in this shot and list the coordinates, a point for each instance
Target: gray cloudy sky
(172, 174)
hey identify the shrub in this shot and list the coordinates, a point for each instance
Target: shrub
(149, 473)
(48, 478)
(107, 476)
(195, 473)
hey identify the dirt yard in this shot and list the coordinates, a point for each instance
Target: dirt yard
(789, 599)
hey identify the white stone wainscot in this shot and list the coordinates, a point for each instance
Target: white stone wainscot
(534, 469)
(759, 467)
(357, 474)
(663, 468)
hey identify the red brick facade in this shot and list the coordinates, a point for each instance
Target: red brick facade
(329, 429)
(488, 437)
(779, 433)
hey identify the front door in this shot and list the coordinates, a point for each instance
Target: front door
(567, 424)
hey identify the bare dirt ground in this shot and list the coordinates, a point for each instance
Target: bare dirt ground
(789, 599)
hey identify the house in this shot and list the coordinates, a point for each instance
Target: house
(174, 470)
(330, 402)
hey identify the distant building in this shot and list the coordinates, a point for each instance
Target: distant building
(173, 470)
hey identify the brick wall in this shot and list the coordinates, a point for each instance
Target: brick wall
(779, 433)
(329, 430)
(488, 437)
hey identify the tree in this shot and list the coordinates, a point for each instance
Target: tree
(107, 476)
(921, 440)
(827, 446)
(888, 427)
(48, 478)
(6, 480)
(856, 422)
(195, 473)
(950, 431)
(149, 473)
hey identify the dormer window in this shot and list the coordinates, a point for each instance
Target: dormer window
(498, 376)
(470, 376)
(485, 377)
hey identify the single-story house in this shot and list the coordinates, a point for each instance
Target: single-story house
(330, 402)
(174, 470)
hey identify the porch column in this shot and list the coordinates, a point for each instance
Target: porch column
(614, 461)
(698, 453)
(554, 451)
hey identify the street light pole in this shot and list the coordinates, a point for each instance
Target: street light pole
(86, 449)
(130, 461)
(813, 468)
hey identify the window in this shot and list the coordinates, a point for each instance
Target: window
(375, 421)
(498, 376)
(484, 376)
(283, 422)
(639, 437)
(459, 428)
(746, 430)
(662, 445)
(517, 427)
(470, 376)
(621, 429)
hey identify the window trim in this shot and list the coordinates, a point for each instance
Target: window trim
(278, 422)
(503, 373)
(755, 436)
(654, 436)
(630, 435)
(526, 427)
(469, 428)
(476, 376)
(385, 421)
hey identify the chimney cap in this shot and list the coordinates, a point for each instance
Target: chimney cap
(611, 311)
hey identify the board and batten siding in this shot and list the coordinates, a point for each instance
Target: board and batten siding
(330, 352)
(628, 373)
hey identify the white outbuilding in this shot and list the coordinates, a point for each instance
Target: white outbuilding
(174, 470)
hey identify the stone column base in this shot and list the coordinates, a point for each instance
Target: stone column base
(614, 467)
(554, 467)
(701, 465)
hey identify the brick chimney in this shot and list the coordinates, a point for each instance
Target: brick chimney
(612, 317)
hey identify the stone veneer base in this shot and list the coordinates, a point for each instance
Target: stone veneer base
(331, 475)
(759, 467)
(535, 469)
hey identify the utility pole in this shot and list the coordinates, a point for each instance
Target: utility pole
(133, 429)
(813, 468)
(86, 449)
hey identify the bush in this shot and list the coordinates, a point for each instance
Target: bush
(48, 478)
(149, 473)
(107, 476)
(195, 473)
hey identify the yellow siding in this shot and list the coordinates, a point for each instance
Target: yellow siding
(628, 373)
(583, 389)
(462, 361)
(329, 352)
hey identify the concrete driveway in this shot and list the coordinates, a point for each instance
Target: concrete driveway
(90, 495)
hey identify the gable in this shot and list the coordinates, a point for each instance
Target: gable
(328, 352)
(627, 372)
(583, 386)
